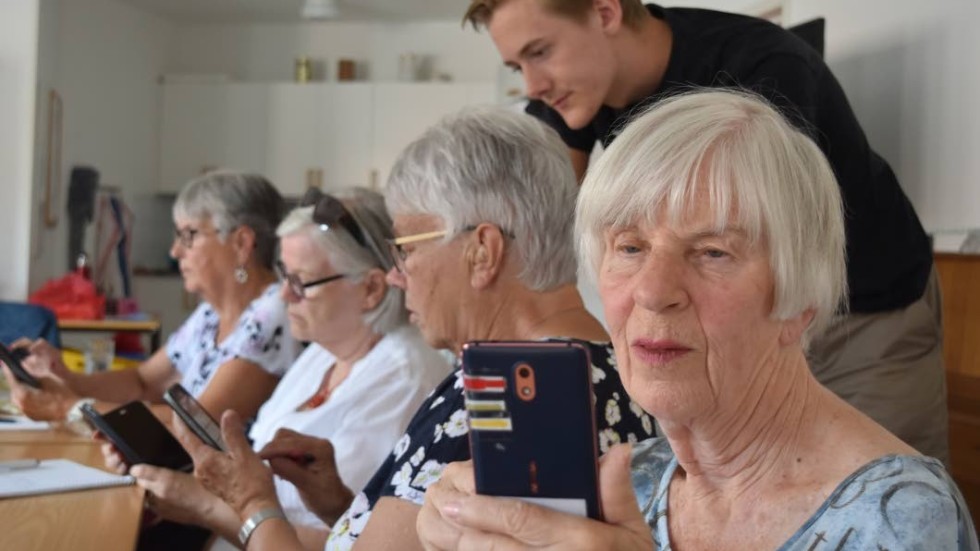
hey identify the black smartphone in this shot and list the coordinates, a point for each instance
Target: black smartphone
(139, 436)
(532, 423)
(193, 414)
(12, 358)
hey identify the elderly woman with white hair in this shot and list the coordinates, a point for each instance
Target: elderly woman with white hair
(716, 233)
(481, 206)
(355, 386)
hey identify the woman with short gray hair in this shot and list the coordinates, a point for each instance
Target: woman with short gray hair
(716, 232)
(232, 350)
(502, 180)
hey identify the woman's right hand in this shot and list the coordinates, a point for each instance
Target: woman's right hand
(455, 517)
(238, 476)
(44, 361)
(49, 403)
(308, 462)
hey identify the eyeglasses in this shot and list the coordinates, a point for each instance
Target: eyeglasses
(329, 212)
(186, 236)
(398, 252)
(297, 286)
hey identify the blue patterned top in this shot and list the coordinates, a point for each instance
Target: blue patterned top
(894, 502)
(437, 435)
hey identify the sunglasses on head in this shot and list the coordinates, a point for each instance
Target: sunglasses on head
(329, 213)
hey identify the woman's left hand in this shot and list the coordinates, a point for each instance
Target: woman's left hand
(175, 495)
(238, 476)
(454, 517)
(49, 403)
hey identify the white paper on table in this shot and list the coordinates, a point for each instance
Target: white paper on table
(21, 422)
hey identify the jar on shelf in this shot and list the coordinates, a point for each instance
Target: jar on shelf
(304, 69)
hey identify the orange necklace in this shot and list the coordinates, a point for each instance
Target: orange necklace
(322, 394)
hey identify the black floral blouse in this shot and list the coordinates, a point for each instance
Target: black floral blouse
(437, 434)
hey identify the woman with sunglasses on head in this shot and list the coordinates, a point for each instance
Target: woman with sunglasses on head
(232, 350)
(355, 386)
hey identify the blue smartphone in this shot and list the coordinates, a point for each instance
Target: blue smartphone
(532, 423)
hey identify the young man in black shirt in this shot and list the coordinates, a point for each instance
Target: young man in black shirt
(590, 65)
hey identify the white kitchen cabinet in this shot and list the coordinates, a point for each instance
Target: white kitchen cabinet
(208, 126)
(404, 110)
(318, 133)
(335, 134)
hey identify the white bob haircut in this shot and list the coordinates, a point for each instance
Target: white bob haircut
(736, 149)
(490, 164)
(347, 256)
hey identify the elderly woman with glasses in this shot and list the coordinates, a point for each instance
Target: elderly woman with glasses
(232, 350)
(716, 231)
(355, 386)
(481, 206)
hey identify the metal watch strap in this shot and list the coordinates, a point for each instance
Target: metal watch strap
(75, 420)
(74, 415)
(255, 520)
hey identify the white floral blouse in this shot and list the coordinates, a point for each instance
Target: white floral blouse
(436, 437)
(261, 336)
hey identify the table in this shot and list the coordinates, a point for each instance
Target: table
(106, 519)
(116, 325)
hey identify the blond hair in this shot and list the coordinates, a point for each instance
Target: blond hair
(480, 11)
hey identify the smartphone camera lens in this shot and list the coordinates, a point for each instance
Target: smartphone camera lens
(524, 382)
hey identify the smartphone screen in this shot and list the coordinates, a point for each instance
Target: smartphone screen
(12, 359)
(139, 436)
(193, 414)
(532, 427)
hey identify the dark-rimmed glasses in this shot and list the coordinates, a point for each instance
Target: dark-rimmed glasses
(186, 236)
(297, 286)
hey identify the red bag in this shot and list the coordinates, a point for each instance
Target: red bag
(70, 297)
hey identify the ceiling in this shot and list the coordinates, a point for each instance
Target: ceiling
(287, 11)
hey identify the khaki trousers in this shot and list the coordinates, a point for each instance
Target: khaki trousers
(889, 365)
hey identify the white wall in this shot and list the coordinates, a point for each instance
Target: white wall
(18, 68)
(43, 260)
(108, 59)
(912, 72)
(266, 52)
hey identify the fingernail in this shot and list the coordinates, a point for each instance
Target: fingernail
(451, 510)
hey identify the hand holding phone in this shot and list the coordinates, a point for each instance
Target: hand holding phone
(193, 414)
(12, 358)
(139, 436)
(532, 425)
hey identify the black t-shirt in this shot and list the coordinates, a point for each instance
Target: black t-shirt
(889, 257)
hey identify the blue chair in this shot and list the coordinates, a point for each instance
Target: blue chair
(19, 319)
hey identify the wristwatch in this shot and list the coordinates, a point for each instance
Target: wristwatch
(255, 520)
(75, 420)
